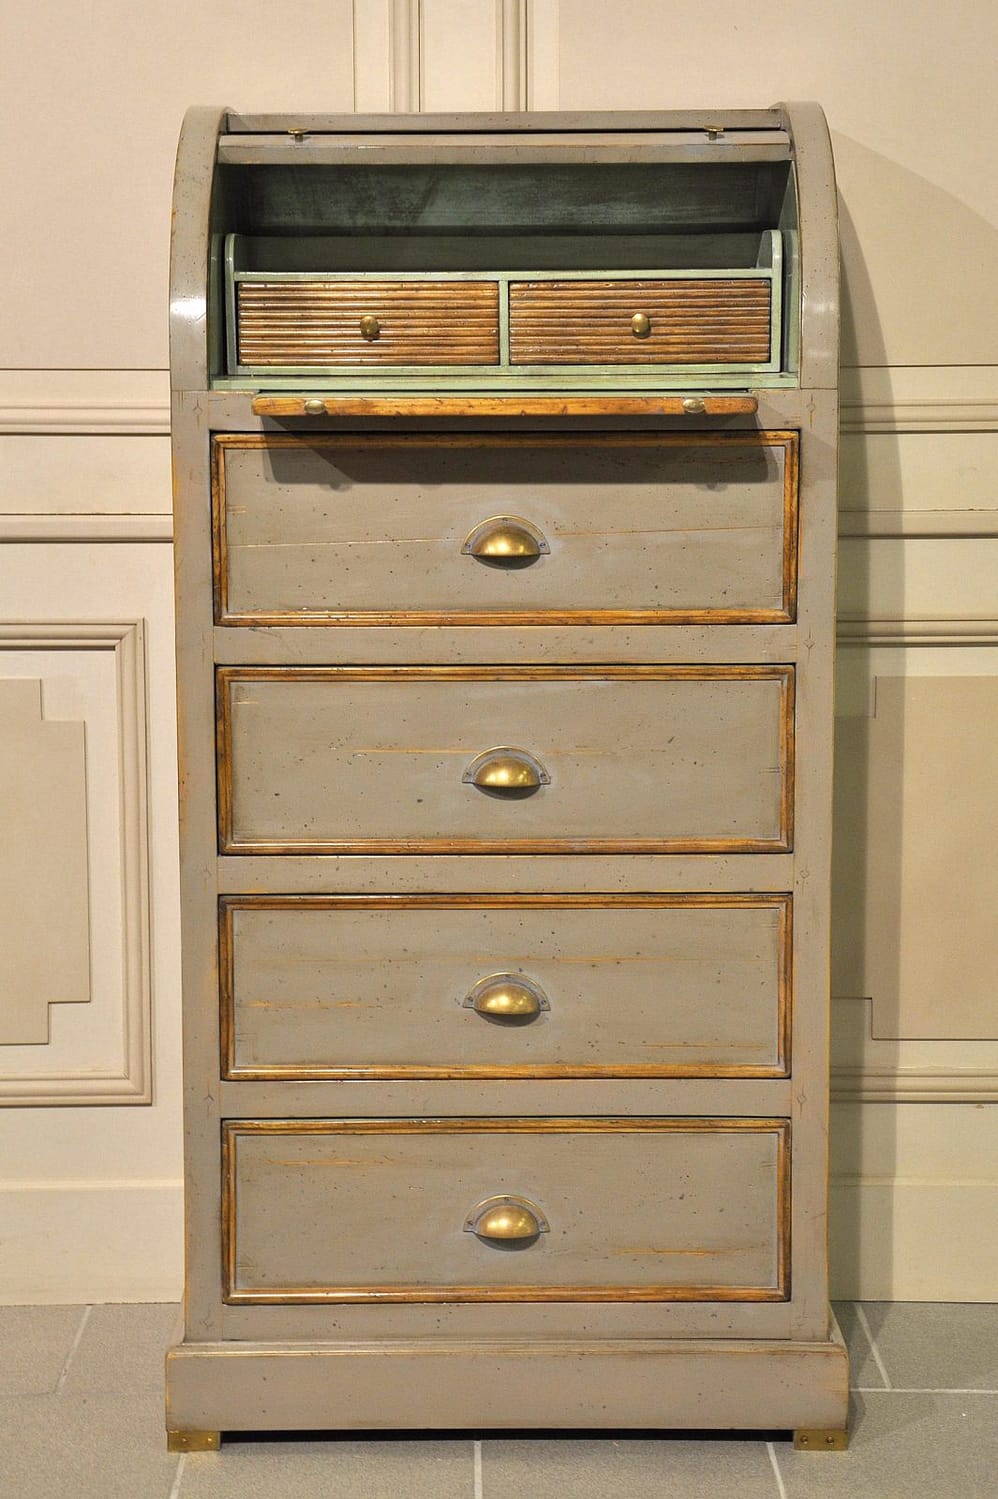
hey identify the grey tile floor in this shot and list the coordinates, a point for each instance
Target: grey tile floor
(81, 1417)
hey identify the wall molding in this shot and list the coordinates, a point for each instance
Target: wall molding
(919, 398)
(938, 415)
(86, 526)
(131, 1082)
(85, 418)
(951, 398)
(405, 56)
(892, 1084)
(915, 630)
(512, 63)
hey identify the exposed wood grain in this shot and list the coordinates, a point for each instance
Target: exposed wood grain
(318, 322)
(709, 321)
(501, 406)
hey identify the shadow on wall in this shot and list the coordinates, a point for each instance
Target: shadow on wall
(861, 914)
(918, 267)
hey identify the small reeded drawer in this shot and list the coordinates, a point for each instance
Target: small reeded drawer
(608, 528)
(676, 321)
(314, 322)
(389, 1210)
(531, 759)
(546, 986)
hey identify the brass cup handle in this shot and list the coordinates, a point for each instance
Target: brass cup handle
(507, 998)
(370, 327)
(506, 1222)
(505, 541)
(509, 772)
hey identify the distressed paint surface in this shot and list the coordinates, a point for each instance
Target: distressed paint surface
(658, 988)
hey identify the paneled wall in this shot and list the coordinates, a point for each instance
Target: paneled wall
(89, 1028)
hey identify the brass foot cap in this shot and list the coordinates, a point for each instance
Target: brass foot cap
(811, 1439)
(193, 1441)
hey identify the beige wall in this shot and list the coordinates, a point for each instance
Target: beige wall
(90, 1189)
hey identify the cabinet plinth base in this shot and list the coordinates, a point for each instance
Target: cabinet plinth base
(646, 1384)
(810, 1439)
(193, 1441)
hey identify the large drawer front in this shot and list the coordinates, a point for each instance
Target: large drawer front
(380, 529)
(384, 759)
(629, 1209)
(306, 323)
(422, 986)
(682, 321)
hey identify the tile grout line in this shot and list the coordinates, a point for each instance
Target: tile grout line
(477, 1450)
(178, 1477)
(781, 1490)
(916, 1390)
(72, 1352)
(863, 1321)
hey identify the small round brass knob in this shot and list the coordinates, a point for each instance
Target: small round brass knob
(694, 405)
(507, 999)
(506, 1222)
(315, 408)
(370, 327)
(641, 325)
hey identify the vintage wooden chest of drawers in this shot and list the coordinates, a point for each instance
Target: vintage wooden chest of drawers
(505, 455)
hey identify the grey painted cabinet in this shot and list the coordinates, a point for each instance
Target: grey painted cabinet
(505, 456)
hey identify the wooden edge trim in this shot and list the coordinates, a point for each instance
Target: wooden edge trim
(631, 672)
(787, 990)
(791, 522)
(783, 1212)
(233, 1128)
(787, 759)
(325, 439)
(219, 539)
(502, 406)
(563, 1124)
(223, 756)
(567, 845)
(379, 618)
(383, 1072)
(540, 901)
(567, 1073)
(228, 1206)
(226, 990)
(381, 1295)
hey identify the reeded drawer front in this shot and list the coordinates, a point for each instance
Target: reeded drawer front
(367, 322)
(680, 321)
(505, 759)
(555, 986)
(587, 1210)
(608, 528)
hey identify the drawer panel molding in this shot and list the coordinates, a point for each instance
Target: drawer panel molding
(695, 985)
(376, 1210)
(640, 759)
(377, 529)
